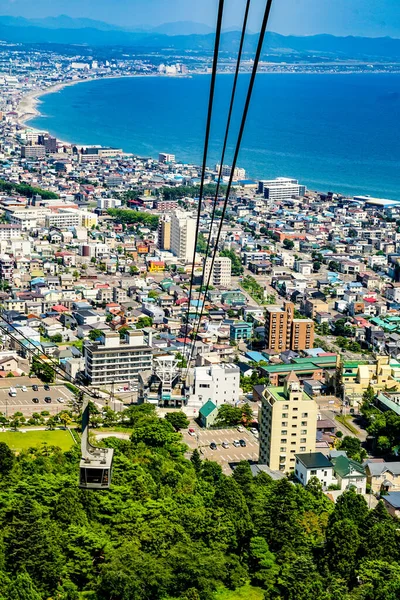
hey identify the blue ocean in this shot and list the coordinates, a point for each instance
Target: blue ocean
(332, 132)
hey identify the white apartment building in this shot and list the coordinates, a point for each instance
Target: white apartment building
(9, 232)
(27, 218)
(114, 360)
(314, 464)
(63, 219)
(226, 171)
(221, 273)
(106, 203)
(69, 217)
(219, 383)
(183, 235)
(164, 157)
(281, 188)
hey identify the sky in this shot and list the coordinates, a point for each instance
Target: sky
(300, 17)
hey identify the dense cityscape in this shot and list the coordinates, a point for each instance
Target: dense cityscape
(245, 376)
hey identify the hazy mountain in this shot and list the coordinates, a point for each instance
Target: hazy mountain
(183, 28)
(176, 36)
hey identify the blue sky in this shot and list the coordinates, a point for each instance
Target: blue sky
(302, 17)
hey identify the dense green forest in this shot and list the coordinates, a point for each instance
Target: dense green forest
(172, 528)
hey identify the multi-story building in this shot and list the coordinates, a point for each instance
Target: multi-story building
(6, 268)
(164, 234)
(288, 424)
(226, 171)
(183, 235)
(219, 383)
(9, 232)
(284, 332)
(33, 152)
(281, 188)
(221, 272)
(164, 158)
(116, 360)
(64, 219)
(164, 205)
(240, 331)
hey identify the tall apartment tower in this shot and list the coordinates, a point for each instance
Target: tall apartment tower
(221, 273)
(288, 424)
(164, 234)
(284, 332)
(183, 235)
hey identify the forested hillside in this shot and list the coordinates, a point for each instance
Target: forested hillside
(172, 528)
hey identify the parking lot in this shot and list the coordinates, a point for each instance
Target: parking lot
(226, 457)
(22, 402)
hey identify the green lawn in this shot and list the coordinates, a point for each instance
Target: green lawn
(20, 441)
(247, 592)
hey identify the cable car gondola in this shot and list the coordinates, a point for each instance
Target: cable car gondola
(96, 463)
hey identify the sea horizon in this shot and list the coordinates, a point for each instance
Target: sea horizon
(81, 114)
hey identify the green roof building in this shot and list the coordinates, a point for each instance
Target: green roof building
(208, 414)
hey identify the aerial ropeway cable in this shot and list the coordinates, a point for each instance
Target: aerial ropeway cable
(205, 153)
(235, 157)
(227, 130)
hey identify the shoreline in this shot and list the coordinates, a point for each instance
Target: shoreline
(27, 108)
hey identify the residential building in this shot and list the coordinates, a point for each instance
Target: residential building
(240, 331)
(208, 414)
(165, 158)
(281, 188)
(219, 383)
(164, 234)
(314, 464)
(383, 476)
(349, 473)
(392, 503)
(221, 272)
(6, 268)
(284, 332)
(183, 235)
(226, 171)
(288, 424)
(113, 360)
(35, 152)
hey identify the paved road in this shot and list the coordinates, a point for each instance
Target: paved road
(362, 434)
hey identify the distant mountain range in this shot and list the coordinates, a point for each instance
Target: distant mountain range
(182, 36)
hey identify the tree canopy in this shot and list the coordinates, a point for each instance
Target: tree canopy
(172, 528)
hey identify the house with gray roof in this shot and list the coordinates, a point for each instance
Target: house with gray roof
(383, 476)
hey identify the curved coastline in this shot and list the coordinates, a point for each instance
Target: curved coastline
(28, 110)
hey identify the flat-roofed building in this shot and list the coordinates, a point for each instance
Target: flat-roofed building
(288, 424)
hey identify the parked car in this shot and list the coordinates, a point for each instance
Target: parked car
(225, 445)
(242, 443)
(240, 429)
(35, 387)
(23, 389)
(60, 400)
(236, 443)
(46, 387)
(35, 400)
(192, 431)
(254, 430)
(47, 399)
(213, 446)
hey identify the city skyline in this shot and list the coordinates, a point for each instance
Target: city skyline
(358, 17)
